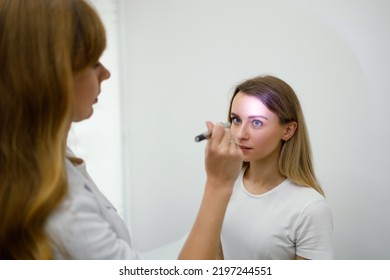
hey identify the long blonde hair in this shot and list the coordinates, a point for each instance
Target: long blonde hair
(295, 160)
(43, 43)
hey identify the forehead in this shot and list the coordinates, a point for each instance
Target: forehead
(248, 105)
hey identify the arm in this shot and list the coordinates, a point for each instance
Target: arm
(223, 164)
(314, 232)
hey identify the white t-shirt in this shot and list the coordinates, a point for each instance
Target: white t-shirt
(86, 225)
(286, 221)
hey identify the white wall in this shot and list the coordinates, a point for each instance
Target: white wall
(181, 59)
(174, 64)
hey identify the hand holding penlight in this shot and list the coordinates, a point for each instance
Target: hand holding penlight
(207, 134)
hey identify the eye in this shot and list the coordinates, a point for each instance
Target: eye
(235, 120)
(97, 64)
(257, 123)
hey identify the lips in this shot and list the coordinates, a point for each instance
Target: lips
(96, 99)
(244, 148)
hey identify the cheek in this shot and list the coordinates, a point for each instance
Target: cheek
(83, 103)
(85, 92)
(233, 130)
(267, 140)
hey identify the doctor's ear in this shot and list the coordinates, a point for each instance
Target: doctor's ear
(289, 130)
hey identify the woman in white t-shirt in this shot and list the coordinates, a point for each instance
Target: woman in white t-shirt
(277, 209)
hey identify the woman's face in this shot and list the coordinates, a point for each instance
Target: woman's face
(256, 129)
(87, 85)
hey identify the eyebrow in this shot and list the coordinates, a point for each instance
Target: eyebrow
(250, 117)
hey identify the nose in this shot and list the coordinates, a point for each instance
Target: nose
(105, 73)
(240, 132)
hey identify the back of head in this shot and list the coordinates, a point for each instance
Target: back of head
(295, 161)
(43, 43)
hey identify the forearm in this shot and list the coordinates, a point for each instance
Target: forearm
(223, 164)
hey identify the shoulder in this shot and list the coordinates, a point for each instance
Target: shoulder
(311, 204)
(303, 194)
(307, 201)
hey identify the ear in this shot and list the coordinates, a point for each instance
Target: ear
(289, 130)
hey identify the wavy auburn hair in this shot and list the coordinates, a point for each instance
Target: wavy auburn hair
(43, 43)
(295, 160)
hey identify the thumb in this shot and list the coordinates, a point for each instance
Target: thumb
(209, 125)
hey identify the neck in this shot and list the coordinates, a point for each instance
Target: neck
(262, 176)
(73, 159)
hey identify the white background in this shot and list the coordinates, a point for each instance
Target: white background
(174, 64)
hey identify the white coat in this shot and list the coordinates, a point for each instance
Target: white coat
(86, 225)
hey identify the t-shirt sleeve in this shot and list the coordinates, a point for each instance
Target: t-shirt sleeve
(314, 232)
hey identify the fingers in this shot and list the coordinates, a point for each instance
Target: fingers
(223, 158)
(218, 133)
(209, 125)
(220, 136)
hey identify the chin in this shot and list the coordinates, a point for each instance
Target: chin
(246, 159)
(83, 117)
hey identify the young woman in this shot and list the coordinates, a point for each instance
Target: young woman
(50, 76)
(277, 209)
